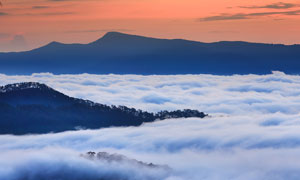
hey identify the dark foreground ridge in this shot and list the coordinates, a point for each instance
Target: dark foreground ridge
(120, 53)
(27, 108)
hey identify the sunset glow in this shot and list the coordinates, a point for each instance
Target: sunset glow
(38, 22)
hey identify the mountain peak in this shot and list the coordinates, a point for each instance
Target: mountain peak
(54, 43)
(118, 37)
(114, 33)
(23, 86)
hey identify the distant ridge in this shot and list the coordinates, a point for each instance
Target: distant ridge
(121, 53)
(117, 36)
(31, 107)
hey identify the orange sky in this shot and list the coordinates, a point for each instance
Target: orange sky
(26, 24)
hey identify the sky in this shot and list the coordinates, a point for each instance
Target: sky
(27, 24)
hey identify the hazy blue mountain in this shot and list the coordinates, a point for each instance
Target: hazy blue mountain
(36, 108)
(129, 54)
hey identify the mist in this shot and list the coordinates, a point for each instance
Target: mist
(252, 131)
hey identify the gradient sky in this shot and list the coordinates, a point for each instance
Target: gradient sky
(26, 24)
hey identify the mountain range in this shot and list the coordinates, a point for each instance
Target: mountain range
(120, 53)
(34, 108)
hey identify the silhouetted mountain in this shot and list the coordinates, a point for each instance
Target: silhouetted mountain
(118, 158)
(129, 54)
(32, 93)
(36, 108)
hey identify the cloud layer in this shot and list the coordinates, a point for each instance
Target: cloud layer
(237, 94)
(253, 131)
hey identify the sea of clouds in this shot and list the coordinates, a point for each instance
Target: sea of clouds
(252, 131)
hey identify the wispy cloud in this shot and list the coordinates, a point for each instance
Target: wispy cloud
(222, 32)
(68, 0)
(279, 5)
(3, 14)
(47, 14)
(61, 0)
(240, 16)
(40, 7)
